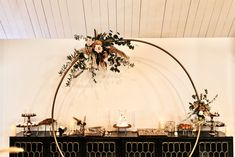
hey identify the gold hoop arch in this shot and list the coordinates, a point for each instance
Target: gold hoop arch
(134, 40)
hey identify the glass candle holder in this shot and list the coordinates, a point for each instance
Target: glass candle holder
(170, 127)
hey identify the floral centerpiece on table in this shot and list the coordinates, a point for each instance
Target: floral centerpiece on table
(99, 53)
(200, 107)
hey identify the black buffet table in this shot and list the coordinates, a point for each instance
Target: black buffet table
(126, 144)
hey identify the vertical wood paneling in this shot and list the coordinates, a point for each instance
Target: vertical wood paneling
(50, 22)
(29, 19)
(50, 18)
(144, 12)
(2, 22)
(65, 18)
(128, 18)
(120, 4)
(40, 12)
(175, 18)
(231, 32)
(131, 18)
(2, 31)
(6, 20)
(158, 12)
(229, 20)
(11, 19)
(92, 15)
(59, 23)
(77, 17)
(223, 17)
(42, 18)
(34, 18)
(206, 18)
(169, 10)
(151, 17)
(104, 14)
(69, 18)
(191, 17)
(112, 15)
(199, 18)
(135, 18)
(214, 18)
(183, 18)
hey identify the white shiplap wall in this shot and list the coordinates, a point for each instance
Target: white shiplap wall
(131, 18)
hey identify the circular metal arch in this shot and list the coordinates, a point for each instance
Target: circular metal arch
(76, 59)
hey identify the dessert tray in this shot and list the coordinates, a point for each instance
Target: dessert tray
(151, 132)
(28, 115)
(95, 131)
(25, 125)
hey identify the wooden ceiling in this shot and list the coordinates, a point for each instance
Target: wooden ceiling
(131, 18)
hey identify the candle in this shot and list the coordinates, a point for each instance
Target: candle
(72, 125)
(107, 110)
(133, 121)
(161, 125)
(13, 130)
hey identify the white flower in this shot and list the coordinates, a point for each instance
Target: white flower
(200, 113)
(98, 48)
(203, 101)
(89, 41)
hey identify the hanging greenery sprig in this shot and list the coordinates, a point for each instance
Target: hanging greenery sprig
(99, 53)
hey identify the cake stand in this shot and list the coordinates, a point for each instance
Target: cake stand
(27, 124)
(122, 128)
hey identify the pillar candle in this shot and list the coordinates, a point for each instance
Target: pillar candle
(13, 130)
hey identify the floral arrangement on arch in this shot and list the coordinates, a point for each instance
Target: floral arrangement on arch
(99, 53)
(200, 108)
